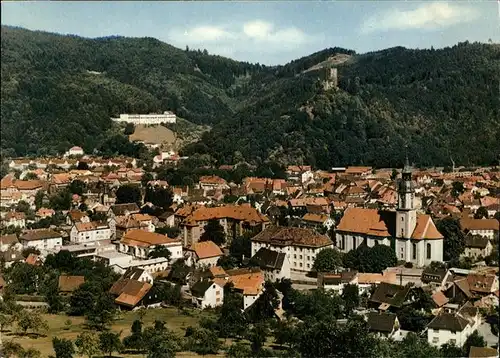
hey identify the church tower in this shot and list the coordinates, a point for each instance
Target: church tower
(406, 214)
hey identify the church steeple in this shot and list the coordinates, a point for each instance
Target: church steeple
(406, 213)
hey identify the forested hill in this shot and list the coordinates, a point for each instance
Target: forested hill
(59, 91)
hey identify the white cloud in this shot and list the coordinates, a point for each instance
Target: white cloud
(252, 36)
(426, 17)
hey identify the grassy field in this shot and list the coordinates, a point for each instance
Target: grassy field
(175, 321)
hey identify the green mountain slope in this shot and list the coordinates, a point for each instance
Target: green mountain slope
(59, 91)
(441, 103)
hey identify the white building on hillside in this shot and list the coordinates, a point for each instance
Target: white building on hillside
(166, 117)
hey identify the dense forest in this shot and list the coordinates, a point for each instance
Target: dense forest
(59, 91)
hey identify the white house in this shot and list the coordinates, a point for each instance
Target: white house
(88, 232)
(207, 293)
(300, 245)
(413, 236)
(7, 241)
(139, 243)
(150, 266)
(41, 239)
(337, 281)
(138, 274)
(453, 328)
(318, 220)
(477, 246)
(74, 151)
(274, 264)
(113, 258)
(14, 218)
(203, 254)
(482, 227)
(249, 282)
(384, 325)
(166, 117)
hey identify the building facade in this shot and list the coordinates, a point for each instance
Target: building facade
(166, 117)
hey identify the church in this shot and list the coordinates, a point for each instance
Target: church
(412, 235)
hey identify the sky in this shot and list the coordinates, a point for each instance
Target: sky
(268, 32)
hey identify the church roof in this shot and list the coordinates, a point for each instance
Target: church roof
(381, 223)
(425, 229)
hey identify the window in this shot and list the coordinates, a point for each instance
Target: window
(301, 264)
(294, 256)
(308, 265)
(453, 332)
(435, 340)
(300, 257)
(453, 341)
(414, 250)
(428, 251)
(402, 218)
(436, 331)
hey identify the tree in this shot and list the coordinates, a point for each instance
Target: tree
(412, 346)
(82, 165)
(87, 344)
(30, 353)
(129, 129)
(39, 196)
(31, 321)
(63, 347)
(239, 350)
(214, 231)
(265, 305)
(241, 247)
(350, 295)
(232, 321)
(160, 342)
(481, 213)
(159, 196)
(454, 238)
(381, 257)
(474, 340)
(412, 319)
(457, 188)
(31, 176)
(497, 215)
(136, 340)
(23, 278)
(328, 260)
(61, 200)
(257, 337)
(11, 348)
(204, 341)
(160, 251)
(450, 350)
(102, 312)
(109, 342)
(128, 194)
(77, 187)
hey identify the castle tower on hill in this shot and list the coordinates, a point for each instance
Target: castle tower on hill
(330, 78)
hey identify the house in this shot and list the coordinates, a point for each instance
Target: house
(235, 219)
(434, 277)
(274, 264)
(482, 284)
(439, 299)
(453, 328)
(366, 281)
(123, 209)
(300, 245)
(389, 296)
(483, 352)
(8, 241)
(134, 221)
(413, 236)
(203, 254)
(74, 151)
(69, 284)
(138, 274)
(83, 232)
(477, 246)
(140, 243)
(41, 239)
(207, 293)
(483, 227)
(212, 182)
(129, 293)
(358, 171)
(11, 255)
(337, 281)
(383, 324)
(16, 219)
(76, 216)
(248, 282)
(43, 213)
(318, 221)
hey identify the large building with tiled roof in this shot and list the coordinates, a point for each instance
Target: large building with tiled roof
(235, 219)
(301, 245)
(413, 236)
